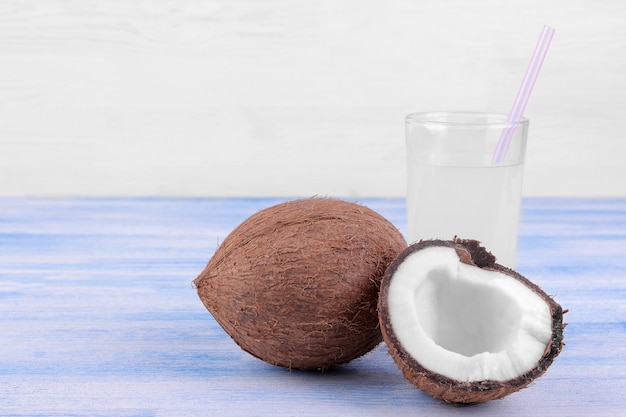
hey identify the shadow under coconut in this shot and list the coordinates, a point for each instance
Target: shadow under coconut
(365, 384)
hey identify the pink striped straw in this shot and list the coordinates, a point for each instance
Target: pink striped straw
(517, 112)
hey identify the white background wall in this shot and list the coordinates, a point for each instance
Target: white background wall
(293, 97)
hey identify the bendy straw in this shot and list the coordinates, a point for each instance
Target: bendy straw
(517, 112)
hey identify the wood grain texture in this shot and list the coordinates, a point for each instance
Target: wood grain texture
(279, 98)
(98, 316)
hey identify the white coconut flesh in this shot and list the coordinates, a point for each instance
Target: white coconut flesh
(464, 322)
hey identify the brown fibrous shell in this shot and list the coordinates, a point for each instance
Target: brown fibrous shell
(297, 284)
(447, 389)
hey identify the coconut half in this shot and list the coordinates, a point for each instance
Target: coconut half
(463, 328)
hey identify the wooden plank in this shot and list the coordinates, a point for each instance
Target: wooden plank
(98, 316)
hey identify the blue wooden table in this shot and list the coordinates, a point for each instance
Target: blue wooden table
(98, 316)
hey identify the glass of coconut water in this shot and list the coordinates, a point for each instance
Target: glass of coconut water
(456, 187)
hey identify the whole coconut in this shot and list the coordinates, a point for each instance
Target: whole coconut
(297, 284)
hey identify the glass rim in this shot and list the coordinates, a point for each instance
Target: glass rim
(464, 119)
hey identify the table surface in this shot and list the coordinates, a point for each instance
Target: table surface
(98, 316)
